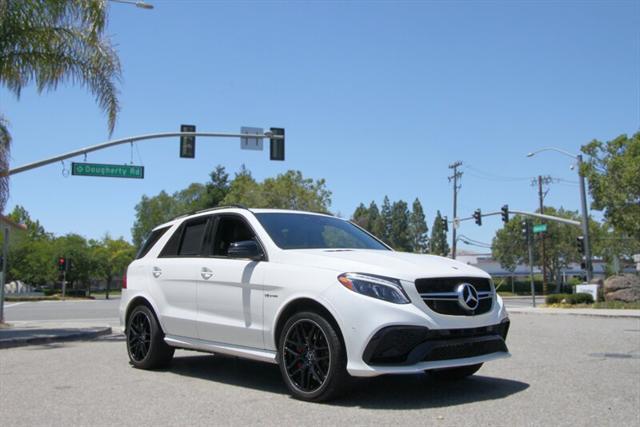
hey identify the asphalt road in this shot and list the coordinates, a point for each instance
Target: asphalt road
(565, 370)
(91, 311)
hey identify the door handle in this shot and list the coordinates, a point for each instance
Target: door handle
(156, 271)
(206, 273)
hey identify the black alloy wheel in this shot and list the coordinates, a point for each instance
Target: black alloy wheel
(306, 355)
(312, 358)
(145, 340)
(139, 336)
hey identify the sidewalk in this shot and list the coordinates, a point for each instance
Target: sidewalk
(34, 333)
(595, 312)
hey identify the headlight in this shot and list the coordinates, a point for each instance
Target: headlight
(379, 287)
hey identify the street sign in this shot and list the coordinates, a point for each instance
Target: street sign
(187, 143)
(540, 228)
(108, 171)
(251, 143)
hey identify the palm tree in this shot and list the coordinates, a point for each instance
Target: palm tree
(48, 42)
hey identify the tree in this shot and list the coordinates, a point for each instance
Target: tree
(399, 237)
(49, 42)
(438, 243)
(509, 245)
(613, 172)
(418, 230)
(286, 191)
(76, 249)
(385, 220)
(375, 220)
(111, 258)
(361, 217)
(218, 187)
(244, 190)
(151, 212)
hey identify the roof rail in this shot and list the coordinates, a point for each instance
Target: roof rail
(239, 206)
(232, 205)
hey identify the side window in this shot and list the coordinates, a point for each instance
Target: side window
(150, 241)
(230, 229)
(192, 237)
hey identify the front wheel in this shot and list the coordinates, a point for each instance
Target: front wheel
(312, 358)
(145, 340)
(448, 374)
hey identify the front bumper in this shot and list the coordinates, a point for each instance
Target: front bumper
(409, 345)
(385, 338)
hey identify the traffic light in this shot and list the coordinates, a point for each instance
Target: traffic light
(477, 215)
(525, 230)
(445, 223)
(505, 213)
(187, 143)
(277, 145)
(580, 244)
(62, 264)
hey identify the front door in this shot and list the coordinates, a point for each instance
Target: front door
(230, 290)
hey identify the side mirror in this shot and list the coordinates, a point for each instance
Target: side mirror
(245, 249)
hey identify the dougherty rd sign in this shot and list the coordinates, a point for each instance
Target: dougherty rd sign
(109, 171)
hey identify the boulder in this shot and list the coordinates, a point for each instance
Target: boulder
(624, 288)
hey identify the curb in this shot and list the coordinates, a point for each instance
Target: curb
(79, 335)
(570, 313)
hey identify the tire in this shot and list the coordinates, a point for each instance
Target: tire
(312, 358)
(145, 340)
(452, 374)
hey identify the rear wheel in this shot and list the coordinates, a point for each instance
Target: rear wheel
(145, 340)
(312, 358)
(449, 374)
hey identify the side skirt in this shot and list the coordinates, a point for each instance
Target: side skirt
(215, 347)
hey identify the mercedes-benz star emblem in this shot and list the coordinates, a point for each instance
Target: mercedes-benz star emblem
(467, 296)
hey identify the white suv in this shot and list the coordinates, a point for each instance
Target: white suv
(315, 294)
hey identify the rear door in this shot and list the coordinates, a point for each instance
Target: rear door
(230, 290)
(175, 273)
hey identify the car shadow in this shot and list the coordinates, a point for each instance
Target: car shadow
(383, 392)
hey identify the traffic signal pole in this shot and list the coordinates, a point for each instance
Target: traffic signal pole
(131, 139)
(531, 214)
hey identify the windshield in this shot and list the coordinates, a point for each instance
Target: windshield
(306, 231)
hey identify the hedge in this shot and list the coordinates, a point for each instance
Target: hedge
(579, 298)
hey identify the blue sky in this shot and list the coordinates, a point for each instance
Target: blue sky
(378, 98)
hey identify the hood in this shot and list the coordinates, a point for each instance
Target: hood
(400, 265)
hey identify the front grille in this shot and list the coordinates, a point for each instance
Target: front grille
(439, 294)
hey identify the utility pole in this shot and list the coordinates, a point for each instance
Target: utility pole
(527, 232)
(585, 222)
(455, 177)
(543, 180)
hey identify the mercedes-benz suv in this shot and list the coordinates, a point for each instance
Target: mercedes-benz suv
(315, 294)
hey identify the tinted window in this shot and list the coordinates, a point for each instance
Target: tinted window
(230, 229)
(192, 236)
(150, 241)
(305, 231)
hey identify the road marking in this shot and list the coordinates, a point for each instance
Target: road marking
(14, 304)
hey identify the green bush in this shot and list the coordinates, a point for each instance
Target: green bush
(580, 298)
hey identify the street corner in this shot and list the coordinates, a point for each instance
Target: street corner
(18, 335)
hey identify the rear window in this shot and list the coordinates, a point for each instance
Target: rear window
(192, 238)
(151, 240)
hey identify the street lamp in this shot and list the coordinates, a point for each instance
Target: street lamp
(140, 4)
(583, 202)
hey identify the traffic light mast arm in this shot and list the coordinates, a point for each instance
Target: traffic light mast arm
(131, 139)
(531, 214)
